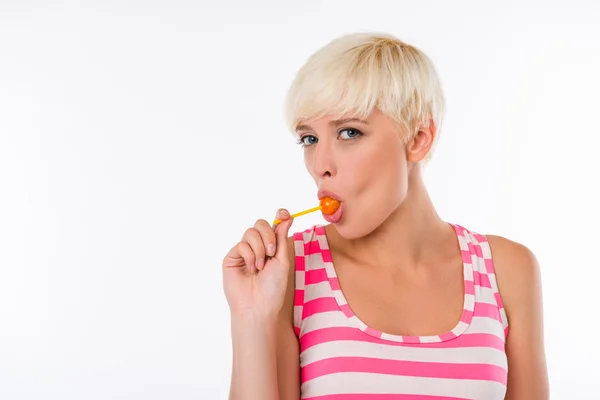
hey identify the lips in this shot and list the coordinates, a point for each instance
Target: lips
(326, 193)
(337, 215)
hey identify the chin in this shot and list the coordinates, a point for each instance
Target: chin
(350, 230)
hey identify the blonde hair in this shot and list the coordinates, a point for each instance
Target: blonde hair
(355, 73)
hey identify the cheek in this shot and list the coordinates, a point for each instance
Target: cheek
(381, 172)
(384, 185)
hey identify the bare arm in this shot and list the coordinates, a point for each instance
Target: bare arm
(288, 348)
(266, 351)
(254, 370)
(519, 281)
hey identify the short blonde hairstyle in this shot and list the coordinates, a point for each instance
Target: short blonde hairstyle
(355, 73)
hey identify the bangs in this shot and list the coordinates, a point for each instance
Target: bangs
(355, 74)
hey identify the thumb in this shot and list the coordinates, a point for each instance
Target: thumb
(281, 234)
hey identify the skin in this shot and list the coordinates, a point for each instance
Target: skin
(390, 238)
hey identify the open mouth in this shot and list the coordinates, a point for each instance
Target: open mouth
(336, 215)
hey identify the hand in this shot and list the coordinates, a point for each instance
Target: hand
(256, 270)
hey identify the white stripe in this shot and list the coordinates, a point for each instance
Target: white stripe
(468, 273)
(330, 269)
(469, 303)
(317, 291)
(332, 319)
(297, 316)
(365, 383)
(485, 249)
(486, 325)
(327, 319)
(299, 283)
(462, 242)
(339, 297)
(313, 261)
(486, 295)
(459, 355)
(298, 248)
(322, 242)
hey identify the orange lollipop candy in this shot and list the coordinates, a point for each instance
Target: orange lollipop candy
(326, 204)
(329, 205)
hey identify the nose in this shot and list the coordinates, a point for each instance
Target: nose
(324, 160)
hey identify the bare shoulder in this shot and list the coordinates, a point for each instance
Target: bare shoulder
(517, 271)
(519, 282)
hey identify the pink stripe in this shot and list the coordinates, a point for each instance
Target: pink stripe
(298, 297)
(383, 396)
(319, 230)
(469, 287)
(326, 255)
(411, 339)
(460, 231)
(466, 257)
(489, 265)
(480, 238)
(322, 304)
(471, 247)
(404, 368)
(346, 310)
(478, 250)
(326, 335)
(487, 310)
(373, 332)
(498, 300)
(466, 316)
(300, 265)
(335, 284)
(483, 279)
(447, 336)
(312, 247)
(314, 276)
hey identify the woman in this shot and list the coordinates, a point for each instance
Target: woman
(387, 301)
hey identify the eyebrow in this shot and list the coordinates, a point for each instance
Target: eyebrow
(335, 122)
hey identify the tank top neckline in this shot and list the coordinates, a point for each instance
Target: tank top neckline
(468, 295)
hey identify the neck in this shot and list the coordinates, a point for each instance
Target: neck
(411, 237)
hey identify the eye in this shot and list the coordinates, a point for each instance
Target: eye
(350, 133)
(307, 140)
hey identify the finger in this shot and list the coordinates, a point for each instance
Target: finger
(253, 238)
(268, 236)
(245, 251)
(281, 234)
(233, 259)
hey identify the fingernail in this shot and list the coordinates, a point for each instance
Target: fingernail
(260, 264)
(270, 250)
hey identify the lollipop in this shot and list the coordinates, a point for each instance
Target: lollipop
(326, 204)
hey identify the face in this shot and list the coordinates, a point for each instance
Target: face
(364, 163)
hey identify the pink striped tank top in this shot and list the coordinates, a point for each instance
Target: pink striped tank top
(341, 358)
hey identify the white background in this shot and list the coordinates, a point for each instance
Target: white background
(138, 141)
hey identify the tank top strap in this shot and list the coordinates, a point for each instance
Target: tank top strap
(308, 247)
(484, 275)
(299, 266)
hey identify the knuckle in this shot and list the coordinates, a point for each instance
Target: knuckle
(249, 232)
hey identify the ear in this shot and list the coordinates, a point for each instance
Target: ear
(420, 145)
